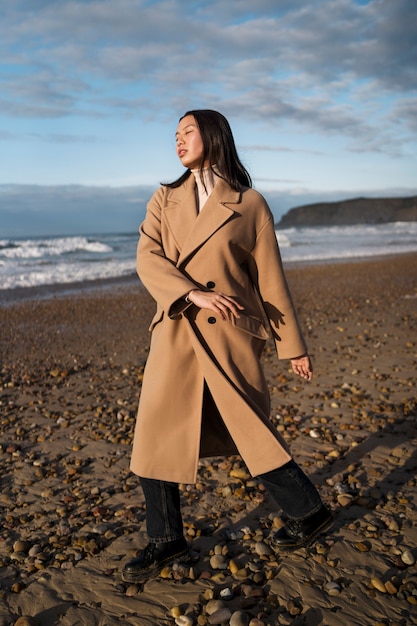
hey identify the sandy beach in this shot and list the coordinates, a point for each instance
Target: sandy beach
(72, 513)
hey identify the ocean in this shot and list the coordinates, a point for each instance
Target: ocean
(32, 262)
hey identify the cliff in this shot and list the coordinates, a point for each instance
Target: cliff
(354, 211)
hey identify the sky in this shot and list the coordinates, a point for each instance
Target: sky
(321, 96)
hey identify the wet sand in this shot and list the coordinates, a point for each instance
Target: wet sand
(72, 513)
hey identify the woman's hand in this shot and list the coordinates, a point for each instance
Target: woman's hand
(302, 367)
(223, 306)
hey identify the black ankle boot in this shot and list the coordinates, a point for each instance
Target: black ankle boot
(153, 558)
(300, 533)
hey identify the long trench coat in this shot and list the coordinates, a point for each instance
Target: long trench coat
(230, 247)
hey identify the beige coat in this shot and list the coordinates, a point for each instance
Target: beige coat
(229, 247)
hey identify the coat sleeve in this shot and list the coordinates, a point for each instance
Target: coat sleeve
(159, 274)
(268, 276)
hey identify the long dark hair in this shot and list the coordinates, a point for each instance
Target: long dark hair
(219, 150)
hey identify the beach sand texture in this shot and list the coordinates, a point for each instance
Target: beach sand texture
(72, 513)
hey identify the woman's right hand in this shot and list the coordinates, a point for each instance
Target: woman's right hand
(223, 306)
(302, 366)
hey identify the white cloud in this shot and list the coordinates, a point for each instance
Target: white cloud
(337, 74)
(70, 45)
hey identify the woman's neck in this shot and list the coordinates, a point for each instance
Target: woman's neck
(205, 180)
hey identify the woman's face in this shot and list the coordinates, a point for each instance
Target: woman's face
(189, 143)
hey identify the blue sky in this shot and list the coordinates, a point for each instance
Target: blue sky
(321, 96)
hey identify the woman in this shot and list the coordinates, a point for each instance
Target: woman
(209, 257)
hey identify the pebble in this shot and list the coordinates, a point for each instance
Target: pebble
(239, 618)
(21, 546)
(392, 524)
(176, 611)
(262, 549)
(184, 620)
(321, 548)
(294, 607)
(214, 605)
(241, 574)
(232, 535)
(226, 593)
(132, 590)
(398, 452)
(378, 584)
(239, 472)
(246, 589)
(372, 528)
(344, 499)
(35, 550)
(333, 588)
(220, 616)
(165, 572)
(258, 578)
(218, 561)
(408, 557)
(390, 587)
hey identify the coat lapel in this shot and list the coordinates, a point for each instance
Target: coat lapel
(190, 231)
(181, 211)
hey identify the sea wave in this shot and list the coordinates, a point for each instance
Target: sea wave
(38, 248)
(66, 274)
(32, 262)
(339, 242)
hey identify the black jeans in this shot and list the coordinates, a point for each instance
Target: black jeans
(288, 485)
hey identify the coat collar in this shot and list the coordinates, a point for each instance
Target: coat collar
(189, 230)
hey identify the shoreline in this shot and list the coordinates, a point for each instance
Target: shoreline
(15, 295)
(62, 290)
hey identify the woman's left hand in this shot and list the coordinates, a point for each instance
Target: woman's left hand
(223, 306)
(302, 367)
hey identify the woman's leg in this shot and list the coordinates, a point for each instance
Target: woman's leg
(165, 531)
(163, 512)
(299, 499)
(292, 490)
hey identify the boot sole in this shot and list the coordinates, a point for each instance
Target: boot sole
(153, 570)
(308, 541)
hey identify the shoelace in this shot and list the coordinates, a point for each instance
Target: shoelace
(293, 526)
(148, 553)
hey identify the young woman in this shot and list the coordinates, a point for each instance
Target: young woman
(209, 257)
